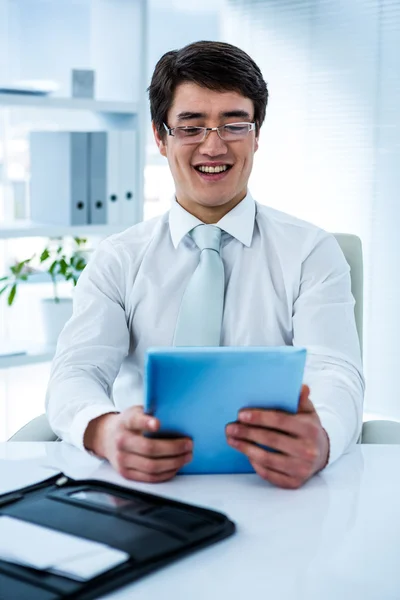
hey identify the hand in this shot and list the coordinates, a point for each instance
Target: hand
(301, 442)
(120, 439)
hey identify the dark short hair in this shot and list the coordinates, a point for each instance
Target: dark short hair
(214, 65)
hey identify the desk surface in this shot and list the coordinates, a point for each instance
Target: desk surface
(336, 538)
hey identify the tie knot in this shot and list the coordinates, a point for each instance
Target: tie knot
(207, 236)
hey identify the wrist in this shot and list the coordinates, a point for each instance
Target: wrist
(96, 434)
(326, 454)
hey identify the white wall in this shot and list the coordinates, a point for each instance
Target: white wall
(172, 25)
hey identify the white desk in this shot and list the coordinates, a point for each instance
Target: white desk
(337, 538)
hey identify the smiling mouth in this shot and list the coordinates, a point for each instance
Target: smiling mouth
(213, 170)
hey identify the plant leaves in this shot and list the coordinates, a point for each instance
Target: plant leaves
(16, 269)
(52, 267)
(81, 264)
(67, 264)
(45, 255)
(63, 267)
(11, 295)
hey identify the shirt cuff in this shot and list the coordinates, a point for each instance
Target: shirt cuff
(336, 434)
(82, 420)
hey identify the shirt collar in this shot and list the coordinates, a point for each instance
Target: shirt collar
(239, 222)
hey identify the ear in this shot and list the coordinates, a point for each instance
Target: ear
(256, 144)
(160, 143)
(256, 139)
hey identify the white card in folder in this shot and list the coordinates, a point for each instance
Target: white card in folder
(47, 549)
(198, 391)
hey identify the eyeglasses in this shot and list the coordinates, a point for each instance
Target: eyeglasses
(195, 135)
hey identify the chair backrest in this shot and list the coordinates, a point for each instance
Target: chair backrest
(352, 250)
(381, 432)
(37, 430)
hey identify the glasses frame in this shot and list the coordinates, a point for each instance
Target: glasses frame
(207, 130)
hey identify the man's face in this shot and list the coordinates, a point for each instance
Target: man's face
(197, 106)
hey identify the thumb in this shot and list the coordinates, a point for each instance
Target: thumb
(305, 404)
(136, 420)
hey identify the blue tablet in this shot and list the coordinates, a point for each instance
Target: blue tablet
(197, 391)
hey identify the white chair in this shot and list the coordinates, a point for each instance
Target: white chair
(373, 432)
(380, 432)
(39, 430)
(352, 250)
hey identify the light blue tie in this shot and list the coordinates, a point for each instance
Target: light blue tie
(200, 315)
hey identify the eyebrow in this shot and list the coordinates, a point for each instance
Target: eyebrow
(187, 115)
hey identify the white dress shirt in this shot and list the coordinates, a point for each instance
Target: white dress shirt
(287, 283)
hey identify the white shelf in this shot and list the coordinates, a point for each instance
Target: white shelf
(35, 355)
(19, 229)
(99, 106)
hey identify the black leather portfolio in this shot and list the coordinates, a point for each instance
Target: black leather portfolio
(152, 530)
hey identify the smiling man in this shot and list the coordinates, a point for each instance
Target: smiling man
(277, 281)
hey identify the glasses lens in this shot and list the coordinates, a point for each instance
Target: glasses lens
(189, 135)
(235, 131)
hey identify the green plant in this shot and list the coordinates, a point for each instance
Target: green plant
(55, 259)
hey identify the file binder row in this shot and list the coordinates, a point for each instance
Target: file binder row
(81, 178)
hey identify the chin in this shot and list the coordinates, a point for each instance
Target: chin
(211, 202)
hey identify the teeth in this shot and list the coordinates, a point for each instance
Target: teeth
(218, 169)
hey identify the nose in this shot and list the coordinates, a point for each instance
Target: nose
(213, 145)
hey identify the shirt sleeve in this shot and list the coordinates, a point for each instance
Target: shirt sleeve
(90, 349)
(324, 323)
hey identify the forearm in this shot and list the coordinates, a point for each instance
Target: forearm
(97, 434)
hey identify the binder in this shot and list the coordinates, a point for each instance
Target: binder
(113, 177)
(98, 178)
(59, 177)
(128, 179)
(153, 530)
(114, 206)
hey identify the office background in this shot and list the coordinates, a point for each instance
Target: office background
(329, 152)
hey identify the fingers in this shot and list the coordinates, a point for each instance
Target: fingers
(278, 419)
(160, 461)
(305, 404)
(142, 458)
(128, 442)
(154, 466)
(301, 441)
(291, 466)
(292, 446)
(272, 419)
(279, 479)
(135, 475)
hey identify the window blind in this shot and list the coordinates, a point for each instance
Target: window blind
(330, 145)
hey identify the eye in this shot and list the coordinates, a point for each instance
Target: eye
(236, 128)
(190, 131)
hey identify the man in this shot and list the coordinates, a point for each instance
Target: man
(286, 282)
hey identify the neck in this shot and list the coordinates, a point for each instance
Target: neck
(209, 214)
